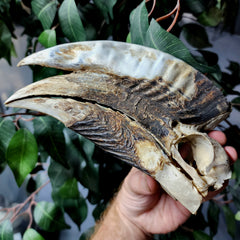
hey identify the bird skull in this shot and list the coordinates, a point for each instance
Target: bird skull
(139, 104)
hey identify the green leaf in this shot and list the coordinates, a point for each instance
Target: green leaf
(139, 24)
(106, 7)
(87, 234)
(22, 154)
(32, 234)
(4, 5)
(196, 6)
(89, 177)
(230, 221)
(6, 230)
(212, 17)
(68, 197)
(199, 235)
(7, 130)
(49, 217)
(58, 174)
(196, 35)
(236, 174)
(177, 235)
(98, 210)
(49, 133)
(45, 10)
(213, 217)
(237, 216)
(65, 192)
(87, 146)
(128, 39)
(5, 42)
(159, 38)
(48, 38)
(70, 21)
(236, 103)
(40, 72)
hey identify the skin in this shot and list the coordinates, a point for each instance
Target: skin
(141, 208)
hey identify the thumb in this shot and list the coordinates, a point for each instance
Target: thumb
(139, 183)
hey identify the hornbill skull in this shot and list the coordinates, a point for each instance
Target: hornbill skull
(139, 104)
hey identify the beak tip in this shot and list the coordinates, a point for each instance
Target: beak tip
(21, 63)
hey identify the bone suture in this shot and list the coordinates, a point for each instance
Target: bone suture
(139, 104)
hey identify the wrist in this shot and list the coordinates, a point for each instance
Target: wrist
(115, 225)
(133, 231)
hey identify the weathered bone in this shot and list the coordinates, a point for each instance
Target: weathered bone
(139, 104)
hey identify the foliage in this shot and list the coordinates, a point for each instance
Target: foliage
(43, 145)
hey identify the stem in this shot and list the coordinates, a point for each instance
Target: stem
(22, 114)
(177, 10)
(175, 18)
(32, 202)
(236, 104)
(153, 6)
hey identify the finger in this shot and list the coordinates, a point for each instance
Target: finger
(218, 136)
(139, 183)
(232, 153)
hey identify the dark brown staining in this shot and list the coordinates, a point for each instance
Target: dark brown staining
(112, 132)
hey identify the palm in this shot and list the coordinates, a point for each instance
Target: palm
(170, 212)
(151, 209)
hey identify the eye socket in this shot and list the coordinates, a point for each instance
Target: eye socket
(197, 151)
(185, 149)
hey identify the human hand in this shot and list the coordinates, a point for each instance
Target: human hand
(146, 208)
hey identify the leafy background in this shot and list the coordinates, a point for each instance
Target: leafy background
(40, 151)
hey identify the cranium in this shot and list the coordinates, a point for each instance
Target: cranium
(139, 104)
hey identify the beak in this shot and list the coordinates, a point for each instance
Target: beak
(134, 102)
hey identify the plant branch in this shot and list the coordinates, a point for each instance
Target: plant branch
(177, 10)
(22, 114)
(19, 207)
(153, 6)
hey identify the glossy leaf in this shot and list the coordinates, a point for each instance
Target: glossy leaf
(212, 17)
(157, 37)
(6, 230)
(236, 103)
(89, 177)
(65, 192)
(87, 234)
(196, 6)
(139, 24)
(48, 38)
(7, 130)
(230, 221)
(213, 217)
(70, 21)
(49, 132)
(49, 217)
(68, 197)
(45, 10)
(58, 174)
(4, 5)
(237, 216)
(177, 235)
(106, 7)
(40, 73)
(87, 146)
(22, 154)
(5, 42)
(196, 35)
(32, 234)
(199, 235)
(98, 210)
